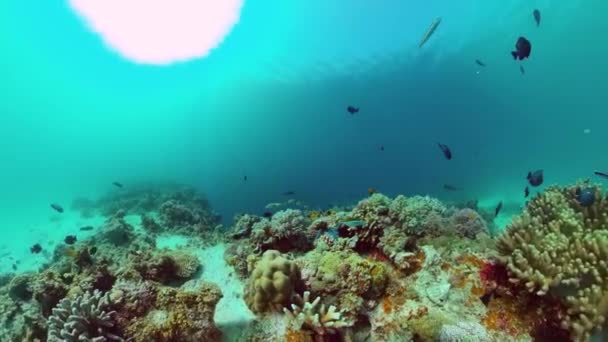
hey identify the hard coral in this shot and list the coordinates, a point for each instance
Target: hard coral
(82, 319)
(272, 283)
(560, 247)
(286, 230)
(468, 223)
(315, 316)
(179, 316)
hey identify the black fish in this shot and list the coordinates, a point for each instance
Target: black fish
(497, 210)
(526, 192)
(289, 193)
(267, 214)
(14, 267)
(86, 228)
(381, 147)
(446, 151)
(480, 63)
(523, 48)
(352, 110)
(450, 187)
(601, 174)
(57, 207)
(536, 14)
(70, 239)
(535, 178)
(93, 250)
(522, 70)
(36, 248)
(116, 184)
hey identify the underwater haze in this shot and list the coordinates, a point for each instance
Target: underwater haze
(269, 103)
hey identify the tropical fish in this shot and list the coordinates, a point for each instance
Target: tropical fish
(498, 208)
(371, 191)
(289, 193)
(535, 178)
(352, 110)
(381, 147)
(601, 174)
(450, 187)
(244, 178)
(429, 32)
(522, 70)
(523, 48)
(116, 184)
(36, 248)
(526, 192)
(585, 197)
(267, 214)
(480, 63)
(57, 207)
(70, 239)
(536, 15)
(86, 228)
(446, 151)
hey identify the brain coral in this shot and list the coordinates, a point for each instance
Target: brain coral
(558, 246)
(272, 283)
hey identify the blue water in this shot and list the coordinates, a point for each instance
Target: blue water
(270, 103)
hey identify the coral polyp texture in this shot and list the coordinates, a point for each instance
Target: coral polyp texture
(83, 319)
(559, 247)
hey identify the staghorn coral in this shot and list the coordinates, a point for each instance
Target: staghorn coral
(287, 230)
(315, 316)
(82, 319)
(272, 283)
(559, 247)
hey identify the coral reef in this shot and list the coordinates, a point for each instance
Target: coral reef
(82, 319)
(559, 247)
(287, 230)
(315, 316)
(272, 284)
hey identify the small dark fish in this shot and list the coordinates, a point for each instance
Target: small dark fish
(429, 32)
(352, 110)
(522, 70)
(289, 193)
(14, 267)
(70, 239)
(57, 207)
(480, 63)
(245, 178)
(585, 197)
(498, 208)
(381, 147)
(36, 248)
(523, 48)
(86, 228)
(536, 14)
(116, 184)
(267, 214)
(446, 151)
(535, 178)
(93, 250)
(449, 187)
(601, 174)
(486, 298)
(526, 192)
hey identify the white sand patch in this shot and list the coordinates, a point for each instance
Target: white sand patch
(232, 315)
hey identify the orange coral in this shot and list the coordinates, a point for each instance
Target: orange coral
(415, 262)
(471, 260)
(298, 336)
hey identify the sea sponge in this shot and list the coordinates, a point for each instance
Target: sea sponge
(272, 283)
(559, 247)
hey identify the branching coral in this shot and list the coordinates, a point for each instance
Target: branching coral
(315, 316)
(558, 246)
(82, 319)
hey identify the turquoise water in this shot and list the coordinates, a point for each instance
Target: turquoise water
(270, 103)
